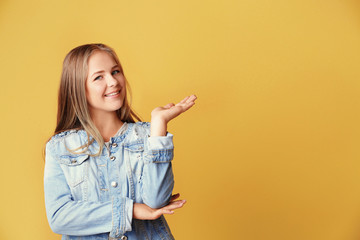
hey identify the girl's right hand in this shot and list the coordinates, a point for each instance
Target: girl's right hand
(144, 212)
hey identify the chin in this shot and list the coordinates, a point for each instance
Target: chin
(116, 107)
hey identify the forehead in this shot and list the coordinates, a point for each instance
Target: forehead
(100, 60)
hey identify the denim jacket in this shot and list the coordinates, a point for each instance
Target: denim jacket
(92, 198)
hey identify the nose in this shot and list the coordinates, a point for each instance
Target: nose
(111, 81)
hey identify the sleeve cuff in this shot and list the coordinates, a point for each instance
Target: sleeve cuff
(122, 213)
(159, 149)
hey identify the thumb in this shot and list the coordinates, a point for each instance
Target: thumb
(169, 105)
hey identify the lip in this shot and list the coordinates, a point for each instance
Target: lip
(112, 94)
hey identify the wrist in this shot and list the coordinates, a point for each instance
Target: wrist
(158, 127)
(159, 118)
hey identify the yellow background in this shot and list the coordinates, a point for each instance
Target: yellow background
(270, 150)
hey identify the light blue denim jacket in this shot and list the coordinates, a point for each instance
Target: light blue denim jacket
(92, 198)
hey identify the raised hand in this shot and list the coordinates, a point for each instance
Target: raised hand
(144, 212)
(160, 116)
(170, 111)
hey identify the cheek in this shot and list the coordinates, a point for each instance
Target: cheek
(122, 82)
(93, 93)
(87, 94)
(123, 88)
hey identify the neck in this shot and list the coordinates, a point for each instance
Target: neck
(107, 123)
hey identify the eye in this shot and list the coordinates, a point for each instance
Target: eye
(98, 77)
(115, 72)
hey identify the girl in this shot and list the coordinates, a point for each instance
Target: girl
(107, 176)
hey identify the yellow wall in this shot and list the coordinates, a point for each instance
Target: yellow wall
(271, 149)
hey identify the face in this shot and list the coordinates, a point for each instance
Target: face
(105, 84)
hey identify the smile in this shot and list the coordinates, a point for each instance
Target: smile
(112, 94)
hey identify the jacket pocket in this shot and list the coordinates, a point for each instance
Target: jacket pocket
(134, 156)
(74, 167)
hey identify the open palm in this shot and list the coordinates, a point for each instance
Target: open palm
(171, 110)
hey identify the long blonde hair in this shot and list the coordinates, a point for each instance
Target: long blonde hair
(73, 111)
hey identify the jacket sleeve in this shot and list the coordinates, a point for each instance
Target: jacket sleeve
(78, 218)
(158, 178)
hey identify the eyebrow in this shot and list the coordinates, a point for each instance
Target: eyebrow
(101, 71)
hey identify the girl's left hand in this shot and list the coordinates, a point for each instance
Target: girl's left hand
(144, 212)
(170, 111)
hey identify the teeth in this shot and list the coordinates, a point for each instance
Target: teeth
(112, 94)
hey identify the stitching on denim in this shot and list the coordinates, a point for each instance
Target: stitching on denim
(167, 154)
(123, 206)
(162, 218)
(86, 182)
(157, 228)
(142, 228)
(130, 177)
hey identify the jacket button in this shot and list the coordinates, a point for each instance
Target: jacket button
(114, 145)
(112, 158)
(114, 184)
(123, 238)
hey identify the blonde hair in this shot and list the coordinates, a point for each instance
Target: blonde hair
(73, 111)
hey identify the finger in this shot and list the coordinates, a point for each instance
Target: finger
(160, 212)
(192, 98)
(166, 211)
(187, 102)
(184, 100)
(185, 106)
(169, 105)
(175, 196)
(175, 205)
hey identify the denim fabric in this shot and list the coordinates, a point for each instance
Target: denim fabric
(92, 198)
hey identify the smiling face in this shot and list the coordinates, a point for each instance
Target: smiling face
(105, 84)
